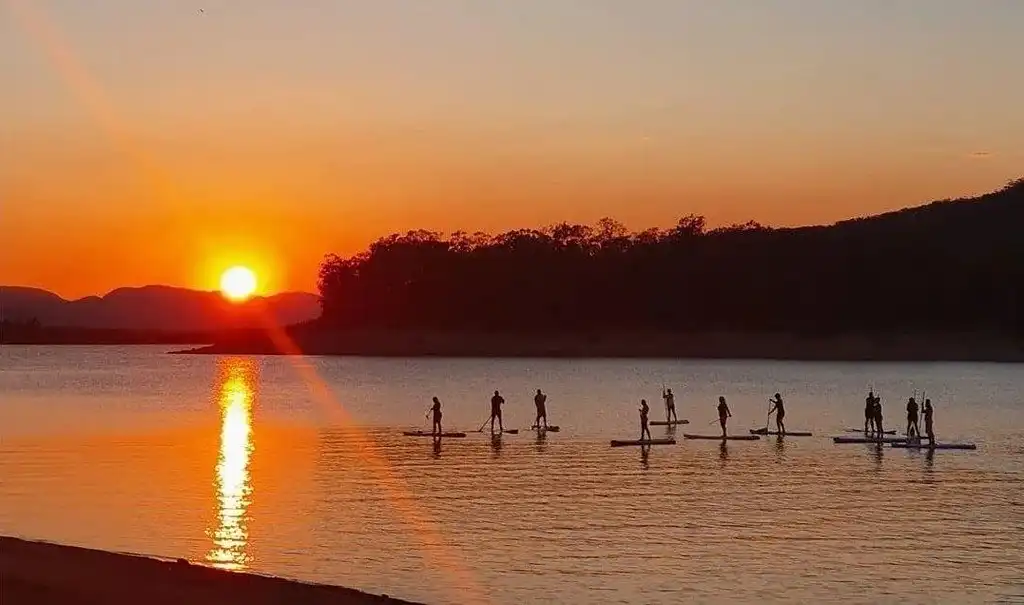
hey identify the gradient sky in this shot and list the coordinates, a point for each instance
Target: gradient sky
(144, 142)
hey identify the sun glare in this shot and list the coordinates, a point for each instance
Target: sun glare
(238, 283)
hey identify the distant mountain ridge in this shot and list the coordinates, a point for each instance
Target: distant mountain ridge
(162, 308)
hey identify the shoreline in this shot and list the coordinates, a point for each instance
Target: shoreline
(44, 573)
(635, 345)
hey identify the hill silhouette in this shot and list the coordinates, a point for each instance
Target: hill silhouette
(950, 265)
(154, 308)
(921, 281)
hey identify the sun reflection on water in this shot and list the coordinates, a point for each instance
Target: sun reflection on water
(237, 382)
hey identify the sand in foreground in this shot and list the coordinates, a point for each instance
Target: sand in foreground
(35, 573)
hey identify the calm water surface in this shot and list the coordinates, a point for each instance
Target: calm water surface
(296, 467)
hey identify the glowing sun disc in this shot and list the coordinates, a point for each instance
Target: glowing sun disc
(238, 283)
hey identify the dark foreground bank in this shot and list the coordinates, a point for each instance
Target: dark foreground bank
(854, 347)
(35, 573)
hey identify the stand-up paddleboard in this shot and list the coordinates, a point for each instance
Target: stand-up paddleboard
(507, 432)
(861, 431)
(625, 442)
(786, 434)
(551, 428)
(868, 439)
(938, 446)
(720, 438)
(429, 434)
(668, 422)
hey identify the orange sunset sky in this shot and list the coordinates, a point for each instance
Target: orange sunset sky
(146, 142)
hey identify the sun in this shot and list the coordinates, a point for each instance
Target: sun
(238, 283)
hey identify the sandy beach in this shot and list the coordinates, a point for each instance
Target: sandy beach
(36, 573)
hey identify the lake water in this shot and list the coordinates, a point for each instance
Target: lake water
(297, 467)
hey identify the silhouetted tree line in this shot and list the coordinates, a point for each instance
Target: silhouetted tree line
(948, 266)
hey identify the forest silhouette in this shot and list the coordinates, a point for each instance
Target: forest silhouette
(950, 266)
(943, 281)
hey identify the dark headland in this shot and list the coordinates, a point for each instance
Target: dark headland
(36, 573)
(942, 281)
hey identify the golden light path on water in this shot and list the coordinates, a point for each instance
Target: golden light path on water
(433, 544)
(427, 534)
(237, 378)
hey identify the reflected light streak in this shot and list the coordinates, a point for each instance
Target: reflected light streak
(86, 89)
(441, 555)
(233, 483)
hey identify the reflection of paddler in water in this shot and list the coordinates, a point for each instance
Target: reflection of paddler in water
(541, 439)
(644, 412)
(723, 414)
(780, 445)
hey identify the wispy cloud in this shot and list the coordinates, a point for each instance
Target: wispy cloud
(979, 155)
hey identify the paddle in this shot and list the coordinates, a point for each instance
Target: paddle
(664, 401)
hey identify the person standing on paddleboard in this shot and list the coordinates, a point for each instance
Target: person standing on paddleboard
(913, 428)
(539, 400)
(780, 413)
(436, 410)
(644, 428)
(670, 405)
(928, 428)
(869, 413)
(877, 410)
(723, 414)
(496, 402)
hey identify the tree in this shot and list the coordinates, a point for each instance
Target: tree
(951, 265)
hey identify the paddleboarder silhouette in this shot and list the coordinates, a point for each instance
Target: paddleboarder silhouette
(723, 414)
(644, 429)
